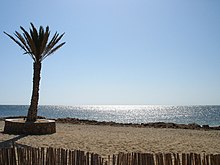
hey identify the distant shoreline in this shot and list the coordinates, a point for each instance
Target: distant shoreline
(193, 126)
(142, 125)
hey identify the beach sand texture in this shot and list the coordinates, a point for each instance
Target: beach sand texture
(107, 140)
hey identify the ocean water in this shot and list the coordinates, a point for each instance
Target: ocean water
(125, 113)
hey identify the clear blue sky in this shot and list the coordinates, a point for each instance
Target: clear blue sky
(116, 52)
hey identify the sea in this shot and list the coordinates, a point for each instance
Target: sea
(200, 114)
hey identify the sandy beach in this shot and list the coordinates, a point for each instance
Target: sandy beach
(107, 140)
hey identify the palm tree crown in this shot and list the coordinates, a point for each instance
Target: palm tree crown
(36, 43)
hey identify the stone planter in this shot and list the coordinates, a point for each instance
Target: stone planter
(20, 126)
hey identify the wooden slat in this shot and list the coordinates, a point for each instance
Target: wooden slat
(168, 159)
(176, 159)
(159, 158)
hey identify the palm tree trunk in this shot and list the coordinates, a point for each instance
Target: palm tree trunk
(32, 111)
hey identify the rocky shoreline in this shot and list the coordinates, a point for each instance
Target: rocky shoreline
(193, 126)
(149, 125)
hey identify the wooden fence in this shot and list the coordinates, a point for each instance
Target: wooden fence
(165, 159)
(53, 156)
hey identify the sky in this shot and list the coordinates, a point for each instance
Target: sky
(148, 52)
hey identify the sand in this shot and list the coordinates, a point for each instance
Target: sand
(107, 140)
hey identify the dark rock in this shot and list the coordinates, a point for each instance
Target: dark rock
(154, 125)
(194, 126)
(205, 126)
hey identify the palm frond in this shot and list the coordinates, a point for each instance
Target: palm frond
(50, 45)
(54, 41)
(52, 51)
(35, 38)
(45, 40)
(34, 33)
(20, 37)
(16, 41)
(30, 41)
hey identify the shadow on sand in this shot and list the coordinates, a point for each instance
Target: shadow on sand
(12, 142)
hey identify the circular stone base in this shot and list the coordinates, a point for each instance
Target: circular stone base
(21, 126)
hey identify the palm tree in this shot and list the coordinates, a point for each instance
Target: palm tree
(36, 45)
